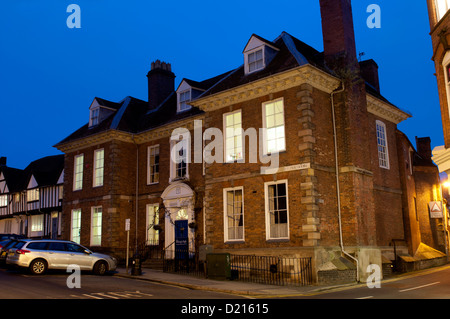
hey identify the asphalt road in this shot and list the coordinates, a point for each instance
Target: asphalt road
(429, 284)
(21, 285)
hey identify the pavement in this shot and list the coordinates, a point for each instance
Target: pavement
(227, 286)
(253, 290)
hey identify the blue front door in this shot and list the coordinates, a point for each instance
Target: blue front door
(181, 239)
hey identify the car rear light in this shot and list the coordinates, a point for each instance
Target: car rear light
(22, 251)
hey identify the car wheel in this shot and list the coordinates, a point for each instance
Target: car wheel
(100, 268)
(38, 267)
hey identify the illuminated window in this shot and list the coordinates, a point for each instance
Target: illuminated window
(234, 214)
(383, 154)
(78, 172)
(233, 136)
(152, 220)
(442, 7)
(99, 160)
(33, 195)
(3, 200)
(96, 226)
(37, 223)
(273, 120)
(76, 226)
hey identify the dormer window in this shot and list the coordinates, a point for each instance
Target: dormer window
(255, 61)
(258, 53)
(100, 109)
(94, 117)
(184, 99)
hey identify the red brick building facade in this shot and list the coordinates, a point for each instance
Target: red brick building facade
(296, 152)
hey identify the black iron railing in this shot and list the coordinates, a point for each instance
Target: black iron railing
(272, 270)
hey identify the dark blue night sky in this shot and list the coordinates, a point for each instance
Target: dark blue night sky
(50, 74)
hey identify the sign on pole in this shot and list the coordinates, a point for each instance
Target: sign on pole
(127, 229)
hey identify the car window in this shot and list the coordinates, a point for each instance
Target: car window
(10, 244)
(18, 245)
(75, 248)
(57, 246)
(40, 245)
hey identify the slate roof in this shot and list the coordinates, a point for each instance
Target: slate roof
(14, 178)
(46, 171)
(133, 115)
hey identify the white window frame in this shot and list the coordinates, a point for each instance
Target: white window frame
(174, 165)
(225, 214)
(152, 218)
(267, 209)
(442, 6)
(383, 154)
(96, 240)
(266, 128)
(99, 168)
(78, 182)
(94, 116)
(77, 238)
(237, 134)
(247, 58)
(150, 173)
(182, 104)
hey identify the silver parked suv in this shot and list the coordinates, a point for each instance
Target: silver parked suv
(40, 255)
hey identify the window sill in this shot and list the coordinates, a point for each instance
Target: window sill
(231, 242)
(150, 184)
(278, 240)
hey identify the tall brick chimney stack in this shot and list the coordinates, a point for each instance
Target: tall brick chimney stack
(354, 141)
(338, 33)
(423, 145)
(161, 83)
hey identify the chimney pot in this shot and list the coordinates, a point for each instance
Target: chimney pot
(161, 83)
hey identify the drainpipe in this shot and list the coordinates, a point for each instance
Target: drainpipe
(338, 191)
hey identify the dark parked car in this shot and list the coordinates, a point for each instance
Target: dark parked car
(10, 236)
(5, 245)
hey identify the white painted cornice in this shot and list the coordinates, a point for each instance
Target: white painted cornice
(441, 156)
(385, 110)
